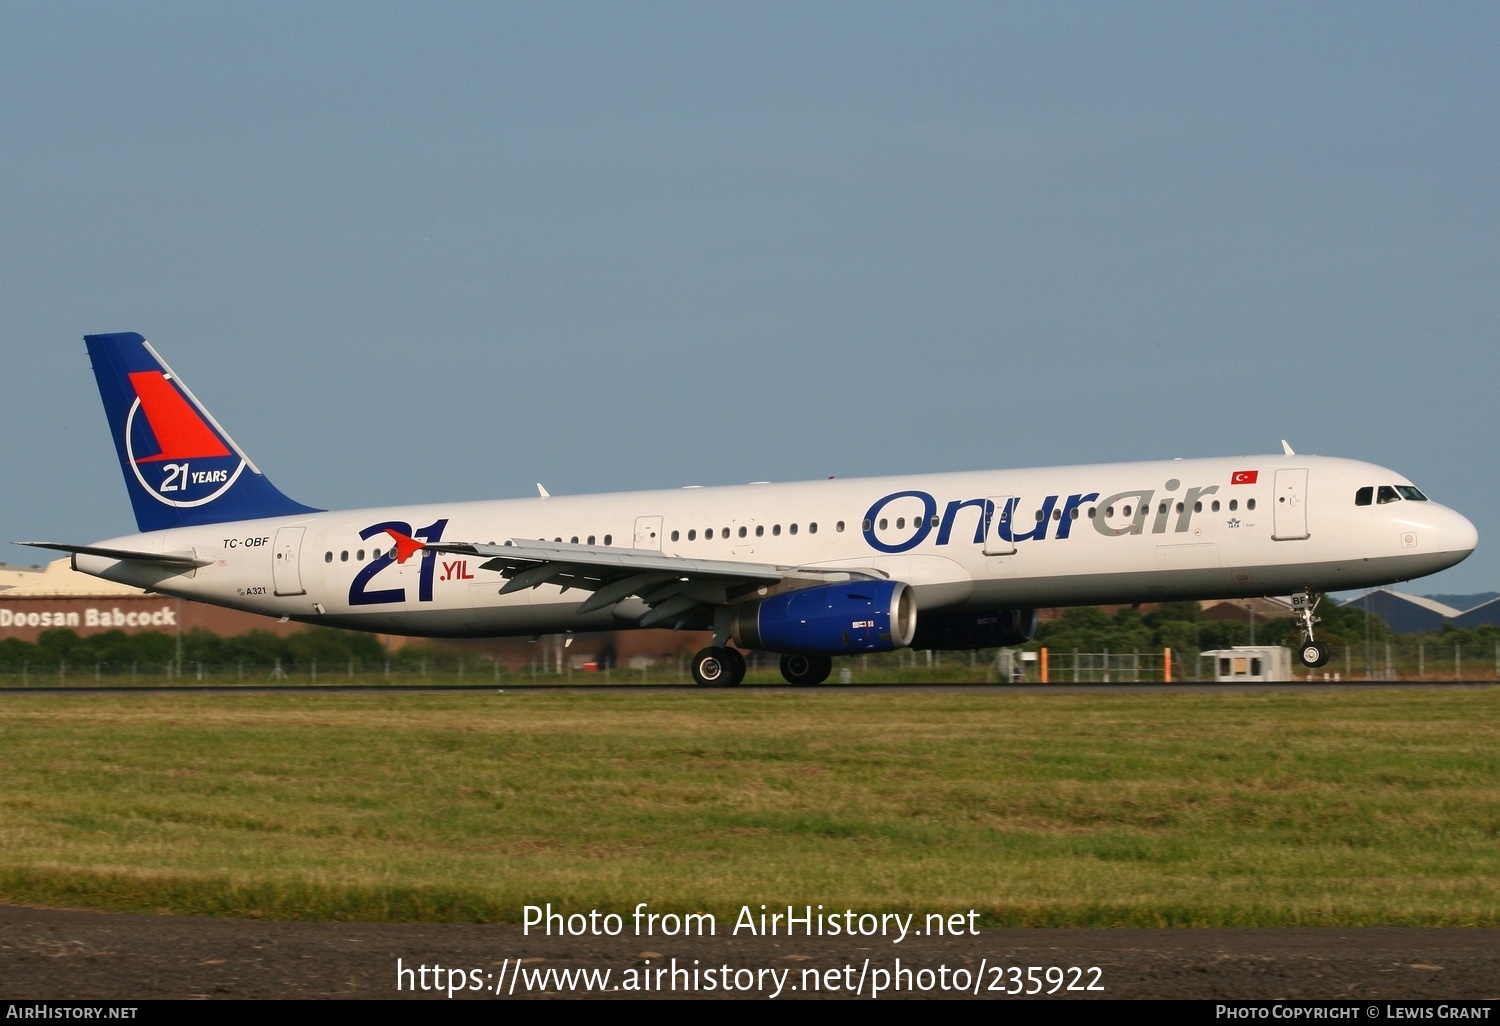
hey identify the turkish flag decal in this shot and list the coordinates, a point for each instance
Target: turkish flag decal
(1243, 477)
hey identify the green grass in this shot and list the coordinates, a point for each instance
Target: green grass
(1290, 808)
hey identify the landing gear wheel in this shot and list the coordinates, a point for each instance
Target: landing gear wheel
(1313, 654)
(806, 669)
(712, 668)
(736, 667)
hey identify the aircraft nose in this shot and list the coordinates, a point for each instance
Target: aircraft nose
(1456, 532)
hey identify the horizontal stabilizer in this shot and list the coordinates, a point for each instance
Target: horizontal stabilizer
(176, 560)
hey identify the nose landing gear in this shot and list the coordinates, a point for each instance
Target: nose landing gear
(1312, 653)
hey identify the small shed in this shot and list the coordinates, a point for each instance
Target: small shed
(1250, 662)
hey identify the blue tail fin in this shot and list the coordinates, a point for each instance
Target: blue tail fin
(181, 468)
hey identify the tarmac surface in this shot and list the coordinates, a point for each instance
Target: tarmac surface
(1063, 688)
(51, 954)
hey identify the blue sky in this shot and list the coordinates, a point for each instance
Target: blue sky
(448, 250)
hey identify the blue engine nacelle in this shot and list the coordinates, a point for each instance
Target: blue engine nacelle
(960, 631)
(857, 616)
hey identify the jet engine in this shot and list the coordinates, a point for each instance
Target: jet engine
(829, 619)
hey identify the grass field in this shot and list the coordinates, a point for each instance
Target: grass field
(1315, 808)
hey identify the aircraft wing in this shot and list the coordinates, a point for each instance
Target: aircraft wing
(680, 591)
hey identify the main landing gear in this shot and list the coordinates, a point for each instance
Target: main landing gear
(1312, 653)
(724, 667)
(806, 669)
(718, 667)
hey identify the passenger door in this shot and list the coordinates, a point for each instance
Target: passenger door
(285, 574)
(1290, 513)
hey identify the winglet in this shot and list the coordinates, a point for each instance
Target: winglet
(405, 545)
(542, 492)
(1286, 448)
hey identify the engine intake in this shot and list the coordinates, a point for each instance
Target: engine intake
(858, 616)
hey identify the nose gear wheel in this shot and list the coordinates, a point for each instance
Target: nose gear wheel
(1311, 653)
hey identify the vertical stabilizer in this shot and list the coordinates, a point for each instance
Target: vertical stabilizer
(181, 468)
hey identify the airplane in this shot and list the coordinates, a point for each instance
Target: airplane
(809, 570)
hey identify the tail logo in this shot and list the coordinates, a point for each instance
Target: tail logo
(179, 458)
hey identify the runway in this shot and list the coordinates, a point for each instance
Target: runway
(54, 954)
(1130, 688)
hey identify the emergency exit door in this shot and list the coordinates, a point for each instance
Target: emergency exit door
(648, 533)
(999, 532)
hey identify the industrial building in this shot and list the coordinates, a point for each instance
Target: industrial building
(35, 599)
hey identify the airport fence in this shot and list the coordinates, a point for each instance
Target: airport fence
(1394, 659)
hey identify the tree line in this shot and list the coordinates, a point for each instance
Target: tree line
(1180, 626)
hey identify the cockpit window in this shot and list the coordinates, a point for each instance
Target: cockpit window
(1387, 494)
(1411, 492)
(1364, 496)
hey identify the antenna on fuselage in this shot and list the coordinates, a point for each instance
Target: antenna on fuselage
(1285, 448)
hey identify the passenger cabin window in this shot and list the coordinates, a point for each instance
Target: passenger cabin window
(1387, 494)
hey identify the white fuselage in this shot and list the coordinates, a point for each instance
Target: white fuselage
(1177, 529)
